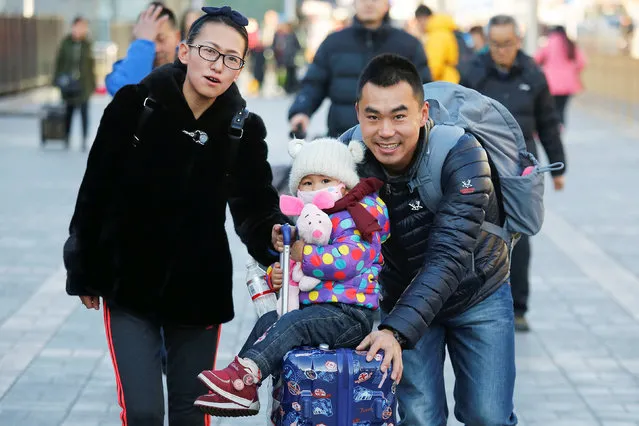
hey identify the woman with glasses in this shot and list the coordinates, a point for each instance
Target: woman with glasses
(148, 234)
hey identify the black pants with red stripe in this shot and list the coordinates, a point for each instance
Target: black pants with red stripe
(135, 343)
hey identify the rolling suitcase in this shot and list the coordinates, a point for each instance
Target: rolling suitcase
(53, 123)
(330, 387)
(334, 388)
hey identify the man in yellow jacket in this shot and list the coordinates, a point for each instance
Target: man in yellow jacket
(440, 44)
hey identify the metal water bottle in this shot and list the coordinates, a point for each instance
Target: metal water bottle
(264, 298)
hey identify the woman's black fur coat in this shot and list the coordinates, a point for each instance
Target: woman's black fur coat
(148, 229)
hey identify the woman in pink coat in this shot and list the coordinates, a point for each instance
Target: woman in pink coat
(562, 62)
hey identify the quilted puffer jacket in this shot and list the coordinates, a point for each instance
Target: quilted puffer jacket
(438, 265)
(340, 60)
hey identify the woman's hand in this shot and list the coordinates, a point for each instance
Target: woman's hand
(91, 302)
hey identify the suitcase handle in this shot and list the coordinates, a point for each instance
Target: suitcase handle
(284, 262)
(286, 234)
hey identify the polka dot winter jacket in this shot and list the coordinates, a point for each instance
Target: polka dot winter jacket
(348, 265)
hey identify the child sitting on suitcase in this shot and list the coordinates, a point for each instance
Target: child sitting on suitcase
(339, 310)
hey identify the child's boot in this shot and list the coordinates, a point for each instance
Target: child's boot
(234, 390)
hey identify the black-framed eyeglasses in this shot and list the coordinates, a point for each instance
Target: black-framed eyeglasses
(210, 54)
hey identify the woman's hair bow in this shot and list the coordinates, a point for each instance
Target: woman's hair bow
(235, 16)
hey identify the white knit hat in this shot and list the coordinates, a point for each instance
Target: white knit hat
(325, 156)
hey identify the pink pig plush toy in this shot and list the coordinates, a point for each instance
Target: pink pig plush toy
(314, 227)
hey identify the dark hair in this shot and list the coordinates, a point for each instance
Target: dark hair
(205, 19)
(388, 70)
(501, 20)
(165, 12)
(570, 45)
(476, 29)
(78, 19)
(423, 11)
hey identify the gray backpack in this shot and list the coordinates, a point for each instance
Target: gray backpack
(457, 110)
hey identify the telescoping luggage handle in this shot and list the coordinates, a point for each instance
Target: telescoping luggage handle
(285, 261)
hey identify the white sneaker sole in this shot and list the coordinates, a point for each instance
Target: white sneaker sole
(227, 409)
(234, 398)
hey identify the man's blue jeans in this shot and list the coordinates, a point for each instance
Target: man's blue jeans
(481, 344)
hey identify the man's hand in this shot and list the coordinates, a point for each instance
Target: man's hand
(91, 302)
(384, 339)
(148, 25)
(276, 237)
(300, 122)
(277, 276)
(559, 182)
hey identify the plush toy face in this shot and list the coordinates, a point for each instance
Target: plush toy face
(314, 226)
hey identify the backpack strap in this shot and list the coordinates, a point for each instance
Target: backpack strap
(427, 180)
(499, 231)
(236, 132)
(148, 106)
(441, 140)
(236, 129)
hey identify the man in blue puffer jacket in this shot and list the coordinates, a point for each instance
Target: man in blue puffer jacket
(156, 38)
(342, 57)
(445, 282)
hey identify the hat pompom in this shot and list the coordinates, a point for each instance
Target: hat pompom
(295, 146)
(356, 149)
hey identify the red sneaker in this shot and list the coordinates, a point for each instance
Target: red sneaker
(235, 388)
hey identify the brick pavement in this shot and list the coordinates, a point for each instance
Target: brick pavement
(579, 366)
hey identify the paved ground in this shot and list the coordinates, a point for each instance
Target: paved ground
(579, 366)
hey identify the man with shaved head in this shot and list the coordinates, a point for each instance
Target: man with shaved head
(444, 281)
